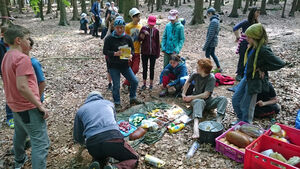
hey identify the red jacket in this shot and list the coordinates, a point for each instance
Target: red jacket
(150, 44)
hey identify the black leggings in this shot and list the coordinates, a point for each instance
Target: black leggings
(266, 110)
(242, 51)
(145, 59)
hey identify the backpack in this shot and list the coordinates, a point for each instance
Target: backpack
(223, 80)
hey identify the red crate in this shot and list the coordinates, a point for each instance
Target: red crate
(228, 151)
(254, 159)
(292, 134)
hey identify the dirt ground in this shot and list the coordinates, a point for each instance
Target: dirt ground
(74, 65)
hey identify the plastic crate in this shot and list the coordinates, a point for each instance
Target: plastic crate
(254, 159)
(292, 134)
(228, 151)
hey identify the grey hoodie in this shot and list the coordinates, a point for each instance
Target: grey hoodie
(95, 116)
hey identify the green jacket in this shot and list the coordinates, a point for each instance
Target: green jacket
(266, 61)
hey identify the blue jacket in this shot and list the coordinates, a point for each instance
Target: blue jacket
(38, 72)
(212, 32)
(173, 38)
(96, 9)
(95, 116)
(179, 71)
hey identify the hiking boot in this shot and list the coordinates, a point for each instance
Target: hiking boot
(110, 87)
(19, 165)
(110, 167)
(143, 87)
(11, 123)
(150, 87)
(94, 165)
(135, 101)
(163, 93)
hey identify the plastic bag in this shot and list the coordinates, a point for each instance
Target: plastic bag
(298, 120)
(149, 124)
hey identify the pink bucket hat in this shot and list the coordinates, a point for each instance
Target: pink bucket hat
(151, 20)
(173, 14)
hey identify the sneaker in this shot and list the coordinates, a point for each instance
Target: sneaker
(94, 165)
(150, 87)
(11, 123)
(163, 93)
(143, 87)
(110, 167)
(110, 87)
(19, 165)
(135, 101)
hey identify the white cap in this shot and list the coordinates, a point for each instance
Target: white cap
(83, 15)
(134, 11)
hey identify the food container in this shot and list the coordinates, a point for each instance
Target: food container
(132, 129)
(209, 131)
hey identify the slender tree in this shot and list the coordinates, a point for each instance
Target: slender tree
(49, 6)
(293, 9)
(283, 9)
(198, 17)
(176, 3)
(210, 3)
(217, 5)
(240, 4)
(298, 6)
(263, 10)
(63, 14)
(137, 4)
(246, 7)
(270, 2)
(41, 6)
(276, 1)
(234, 12)
(127, 5)
(158, 5)
(251, 2)
(20, 6)
(3, 8)
(75, 11)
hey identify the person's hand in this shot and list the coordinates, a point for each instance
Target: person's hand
(188, 98)
(142, 36)
(119, 53)
(44, 111)
(131, 56)
(260, 103)
(146, 32)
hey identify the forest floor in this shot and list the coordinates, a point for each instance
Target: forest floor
(74, 65)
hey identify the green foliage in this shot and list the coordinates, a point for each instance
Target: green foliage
(35, 5)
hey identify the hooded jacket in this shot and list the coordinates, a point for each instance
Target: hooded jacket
(212, 32)
(95, 116)
(173, 38)
(150, 44)
(266, 61)
(179, 71)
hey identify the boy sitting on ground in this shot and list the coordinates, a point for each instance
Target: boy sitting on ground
(84, 23)
(204, 83)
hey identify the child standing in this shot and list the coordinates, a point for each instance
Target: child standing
(133, 29)
(149, 37)
(84, 23)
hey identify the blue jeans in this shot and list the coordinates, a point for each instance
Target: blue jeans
(9, 113)
(243, 103)
(31, 123)
(210, 51)
(129, 75)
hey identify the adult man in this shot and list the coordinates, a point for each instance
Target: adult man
(96, 10)
(22, 96)
(95, 125)
(201, 99)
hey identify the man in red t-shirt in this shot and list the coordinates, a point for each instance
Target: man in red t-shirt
(22, 96)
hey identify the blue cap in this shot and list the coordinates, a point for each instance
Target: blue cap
(107, 3)
(211, 10)
(119, 21)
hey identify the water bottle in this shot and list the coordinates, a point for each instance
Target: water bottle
(192, 150)
(176, 128)
(154, 161)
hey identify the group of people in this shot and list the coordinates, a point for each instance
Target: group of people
(124, 44)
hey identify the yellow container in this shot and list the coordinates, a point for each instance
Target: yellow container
(176, 128)
(154, 161)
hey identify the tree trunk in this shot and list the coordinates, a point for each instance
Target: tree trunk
(234, 12)
(20, 6)
(198, 17)
(137, 4)
(176, 3)
(251, 2)
(222, 3)
(210, 3)
(283, 9)
(63, 14)
(276, 2)
(293, 9)
(41, 6)
(3, 9)
(246, 7)
(127, 5)
(49, 7)
(58, 5)
(163, 2)
(217, 5)
(184, 2)
(7, 5)
(298, 6)
(240, 4)
(263, 10)
(270, 2)
(171, 2)
(75, 11)
(150, 5)
(121, 6)
(158, 5)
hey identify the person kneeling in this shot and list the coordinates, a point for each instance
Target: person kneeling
(204, 83)
(266, 103)
(95, 126)
(172, 74)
